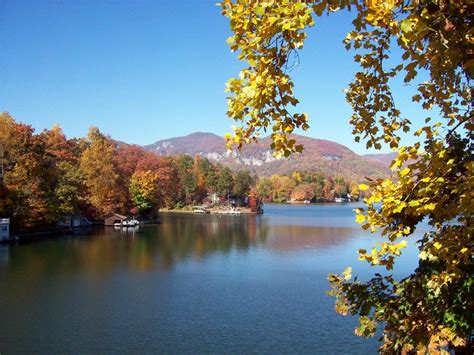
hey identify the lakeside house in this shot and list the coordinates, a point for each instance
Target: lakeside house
(115, 218)
(74, 221)
(4, 228)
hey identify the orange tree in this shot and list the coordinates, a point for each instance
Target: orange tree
(433, 181)
(97, 166)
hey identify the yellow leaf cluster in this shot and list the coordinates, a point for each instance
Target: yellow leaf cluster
(266, 35)
(433, 177)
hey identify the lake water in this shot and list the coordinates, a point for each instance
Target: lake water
(195, 283)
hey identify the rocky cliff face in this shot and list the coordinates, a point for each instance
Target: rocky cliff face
(319, 156)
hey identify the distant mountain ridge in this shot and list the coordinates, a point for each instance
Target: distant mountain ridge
(319, 155)
(384, 159)
(197, 143)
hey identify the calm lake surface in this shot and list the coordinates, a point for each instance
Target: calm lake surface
(195, 283)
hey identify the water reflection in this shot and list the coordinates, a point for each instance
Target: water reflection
(149, 248)
(159, 247)
(229, 283)
(293, 237)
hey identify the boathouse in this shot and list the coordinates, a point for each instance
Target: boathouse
(74, 221)
(4, 228)
(116, 218)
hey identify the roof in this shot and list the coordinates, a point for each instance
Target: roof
(117, 215)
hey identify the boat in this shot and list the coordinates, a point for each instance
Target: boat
(200, 209)
(127, 223)
(234, 210)
(231, 210)
(130, 223)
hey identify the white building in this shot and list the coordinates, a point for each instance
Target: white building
(4, 228)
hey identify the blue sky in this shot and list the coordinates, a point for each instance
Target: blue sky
(146, 70)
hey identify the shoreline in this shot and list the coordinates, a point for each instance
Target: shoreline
(45, 234)
(246, 211)
(56, 232)
(243, 211)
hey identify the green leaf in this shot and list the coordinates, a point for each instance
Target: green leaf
(406, 25)
(413, 203)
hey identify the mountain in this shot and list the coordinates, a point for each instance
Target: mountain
(385, 159)
(319, 155)
(198, 143)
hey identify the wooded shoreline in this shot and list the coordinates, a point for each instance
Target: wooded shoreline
(48, 179)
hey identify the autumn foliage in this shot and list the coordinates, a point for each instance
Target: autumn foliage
(306, 186)
(48, 176)
(431, 310)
